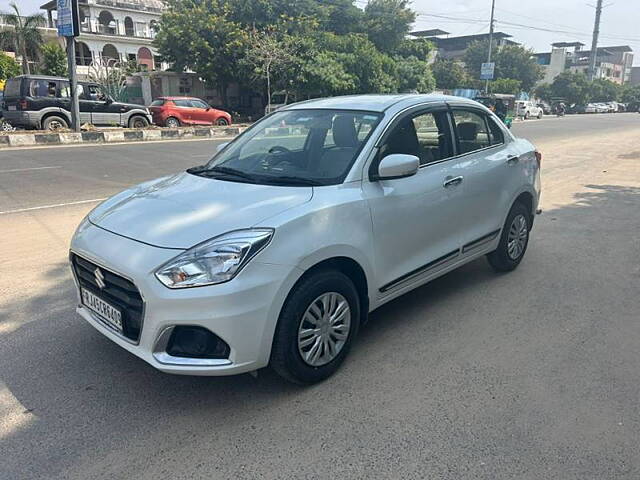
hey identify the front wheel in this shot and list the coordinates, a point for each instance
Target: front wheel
(138, 122)
(172, 122)
(540, 116)
(513, 241)
(222, 122)
(317, 324)
(54, 122)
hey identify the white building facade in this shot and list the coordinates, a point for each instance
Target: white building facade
(114, 31)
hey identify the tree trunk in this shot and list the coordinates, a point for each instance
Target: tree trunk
(25, 61)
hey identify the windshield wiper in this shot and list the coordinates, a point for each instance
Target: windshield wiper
(290, 180)
(231, 171)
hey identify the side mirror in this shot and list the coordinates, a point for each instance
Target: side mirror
(220, 147)
(397, 165)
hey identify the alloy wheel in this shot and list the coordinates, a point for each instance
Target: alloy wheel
(517, 238)
(324, 329)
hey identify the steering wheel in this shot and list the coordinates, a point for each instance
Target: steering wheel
(279, 149)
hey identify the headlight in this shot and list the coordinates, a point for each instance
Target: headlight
(215, 261)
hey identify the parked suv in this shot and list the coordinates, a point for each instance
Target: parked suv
(34, 101)
(176, 111)
(275, 251)
(527, 109)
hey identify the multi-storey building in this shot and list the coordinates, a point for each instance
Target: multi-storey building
(612, 63)
(114, 30)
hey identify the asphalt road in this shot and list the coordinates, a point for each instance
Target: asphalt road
(530, 375)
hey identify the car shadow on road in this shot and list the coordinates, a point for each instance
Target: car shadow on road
(72, 382)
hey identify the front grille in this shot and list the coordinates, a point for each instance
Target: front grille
(118, 291)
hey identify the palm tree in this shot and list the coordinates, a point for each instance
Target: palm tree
(24, 37)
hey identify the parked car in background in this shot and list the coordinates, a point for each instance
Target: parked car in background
(590, 108)
(527, 109)
(276, 250)
(176, 111)
(43, 102)
(546, 108)
(612, 107)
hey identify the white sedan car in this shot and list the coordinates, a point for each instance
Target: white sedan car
(275, 251)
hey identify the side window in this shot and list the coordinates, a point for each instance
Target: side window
(182, 103)
(42, 88)
(94, 92)
(472, 131)
(497, 136)
(425, 135)
(65, 90)
(199, 104)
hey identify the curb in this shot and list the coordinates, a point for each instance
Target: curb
(114, 136)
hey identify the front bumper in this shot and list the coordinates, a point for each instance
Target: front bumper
(243, 312)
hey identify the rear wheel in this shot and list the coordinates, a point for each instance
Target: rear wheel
(526, 115)
(138, 121)
(316, 327)
(222, 121)
(540, 116)
(172, 122)
(513, 240)
(54, 122)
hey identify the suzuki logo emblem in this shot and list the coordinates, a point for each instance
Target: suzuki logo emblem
(98, 275)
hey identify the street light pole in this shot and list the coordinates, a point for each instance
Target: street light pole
(73, 82)
(594, 43)
(493, 9)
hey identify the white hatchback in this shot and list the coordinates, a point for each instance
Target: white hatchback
(275, 251)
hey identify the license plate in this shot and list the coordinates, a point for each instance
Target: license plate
(12, 107)
(109, 314)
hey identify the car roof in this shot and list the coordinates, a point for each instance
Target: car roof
(177, 98)
(375, 103)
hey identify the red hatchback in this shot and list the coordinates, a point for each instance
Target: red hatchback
(176, 111)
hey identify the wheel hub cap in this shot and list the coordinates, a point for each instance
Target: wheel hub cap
(324, 329)
(517, 238)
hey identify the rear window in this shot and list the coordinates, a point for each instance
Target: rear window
(12, 88)
(157, 103)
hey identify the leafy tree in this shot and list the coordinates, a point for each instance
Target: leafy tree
(601, 90)
(512, 61)
(269, 56)
(414, 75)
(506, 85)
(388, 22)
(8, 67)
(201, 35)
(450, 75)
(54, 60)
(572, 87)
(420, 48)
(545, 92)
(24, 37)
(631, 94)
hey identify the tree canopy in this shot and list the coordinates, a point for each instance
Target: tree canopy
(54, 60)
(575, 88)
(8, 67)
(512, 62)
(339, 48)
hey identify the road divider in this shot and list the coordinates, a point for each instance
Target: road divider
(12, 140)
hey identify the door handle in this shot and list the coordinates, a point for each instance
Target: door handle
(513, 159)
(451, 181)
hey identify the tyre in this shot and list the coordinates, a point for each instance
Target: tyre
(513, 240)
(540, 116)
(138, 121)
(526, 116)
(172, 122)
(54, 122)
(222, 122)
(317, 325)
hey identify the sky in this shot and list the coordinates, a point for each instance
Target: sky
(539, 22)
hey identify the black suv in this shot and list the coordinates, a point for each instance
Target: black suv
(36, 101)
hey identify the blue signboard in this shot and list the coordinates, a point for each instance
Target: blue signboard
(486, 71)
(68, 18)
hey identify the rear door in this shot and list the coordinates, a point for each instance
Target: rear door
(184, 109)
(490, 161)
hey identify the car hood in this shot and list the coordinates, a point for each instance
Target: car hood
(183, 210)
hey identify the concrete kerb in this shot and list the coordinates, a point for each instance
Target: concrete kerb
(115, 136)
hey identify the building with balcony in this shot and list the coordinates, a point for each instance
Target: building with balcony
(612, 63)
(114, 31)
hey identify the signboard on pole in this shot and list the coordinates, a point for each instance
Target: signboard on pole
(487, 71)
(68, 18)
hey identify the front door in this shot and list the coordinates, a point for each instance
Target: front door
(103, 110)
(416, 227)
(201, 113)
(84, 106)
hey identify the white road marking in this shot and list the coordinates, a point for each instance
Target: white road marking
(42, 207)
(29, 169)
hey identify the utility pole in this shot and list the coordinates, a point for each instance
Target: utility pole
(73, 82)
(491, 25)
(69, 28)
(594, 44)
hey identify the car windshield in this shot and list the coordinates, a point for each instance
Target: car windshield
(295, 147)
